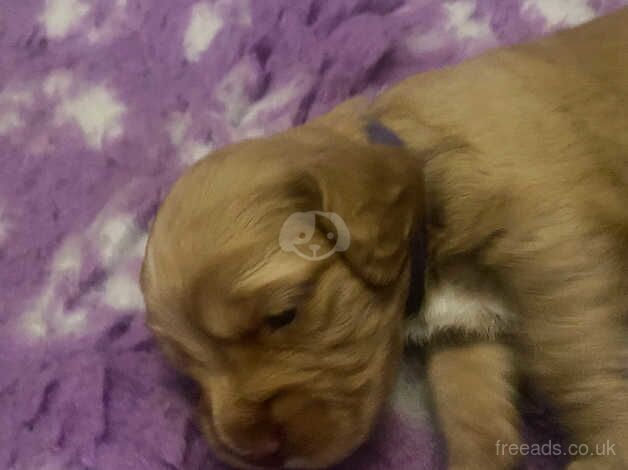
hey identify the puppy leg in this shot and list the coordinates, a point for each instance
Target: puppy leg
(571, 291)
(581, 366)
(474, 395)
(576, 352)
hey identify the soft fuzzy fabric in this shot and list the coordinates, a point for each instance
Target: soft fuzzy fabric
(102, 104)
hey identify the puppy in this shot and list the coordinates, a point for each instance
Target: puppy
(514, 166)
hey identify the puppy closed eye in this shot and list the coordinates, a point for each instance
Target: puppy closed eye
(280, 320)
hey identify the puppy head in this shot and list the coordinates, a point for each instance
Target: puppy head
(295, 354)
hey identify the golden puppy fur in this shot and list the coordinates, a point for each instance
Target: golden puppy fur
(517, 164)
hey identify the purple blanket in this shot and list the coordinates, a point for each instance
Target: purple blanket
(102, 104)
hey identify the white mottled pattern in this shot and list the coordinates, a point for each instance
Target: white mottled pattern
(232, 92)
(274, 100)
(68, 322)
(420, 42)
(252, 124)
(33, 322)
(460, 18)
(16, 95)
(112, 22)
(177, 127)
(13, 101)
(189, 150)
(4, 225)
(564, 13)
(205, 22)
(242, 13)
(97, 112)
(193, 151)
(57, 83)
(60, 16)
(114, 232)
(139, 248)
(120, 246)
(46, 314)
(10, 121)
(122, 292)
(111, 235)
(68, 257)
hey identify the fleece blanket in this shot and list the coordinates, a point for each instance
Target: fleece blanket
(103, 103)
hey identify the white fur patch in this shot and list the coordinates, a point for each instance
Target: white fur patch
(97, 112)
(205, 22)
(60, 16)
(461, 300)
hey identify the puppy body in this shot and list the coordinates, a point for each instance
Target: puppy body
(516, 162)
(526, 171)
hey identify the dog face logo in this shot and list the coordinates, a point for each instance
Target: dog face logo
(298, 230)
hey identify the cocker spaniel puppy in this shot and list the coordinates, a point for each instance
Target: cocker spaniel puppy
(278, 270)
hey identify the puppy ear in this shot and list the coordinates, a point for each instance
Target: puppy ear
(377, 191)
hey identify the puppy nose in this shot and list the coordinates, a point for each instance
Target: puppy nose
(314, 247)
